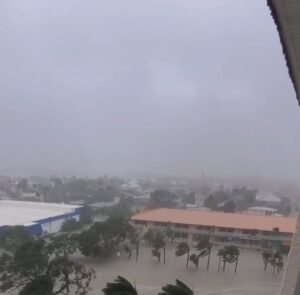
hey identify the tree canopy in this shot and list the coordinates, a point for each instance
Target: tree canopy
(103, 238)
(35, 269)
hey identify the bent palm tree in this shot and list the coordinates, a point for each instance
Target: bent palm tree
(182, 249)
(277, 262)
(232, 256)
(120, 287)
(195, 259)
(155, 252)
(266, 258)
(229, 254)
(279, 266)
(204, 248)
(178, 289)
(221, 255)
(158, 242)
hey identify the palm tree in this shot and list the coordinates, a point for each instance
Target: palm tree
(127, 249)
(137, 250)
(155, 252)
(195, 259)
(178, 289)
(120, 287)
(277, 262)
(135, 242)
(221, 254)
(266, 258)
(279, 266)
(158, 242)
(233, 254)
(149, 235)
(204, 248)
(169, 233)
(182, 249)
(229, 254)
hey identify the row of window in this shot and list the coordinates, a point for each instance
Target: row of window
(211, 229)
(237, 241)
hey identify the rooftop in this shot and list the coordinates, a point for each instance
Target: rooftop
(219, 219)
(263, 209)
(268, 198)
(24, 213)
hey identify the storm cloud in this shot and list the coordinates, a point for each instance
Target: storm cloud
(158, 87)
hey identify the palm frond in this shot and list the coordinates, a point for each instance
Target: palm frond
(182, 248)
(178, 289)
(120, 286)
(184, 286)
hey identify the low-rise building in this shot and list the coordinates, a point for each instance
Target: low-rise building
(39, 218)
(261, 211)
(246, 231)
(268, 200)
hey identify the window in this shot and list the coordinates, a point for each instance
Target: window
(177, 234)
(180, 235)
(157, 223)
(179, 225)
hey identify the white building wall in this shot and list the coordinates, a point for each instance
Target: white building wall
(55, 226)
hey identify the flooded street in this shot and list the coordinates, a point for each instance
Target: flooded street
(149, 276)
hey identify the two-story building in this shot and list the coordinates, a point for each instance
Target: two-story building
(243, 230)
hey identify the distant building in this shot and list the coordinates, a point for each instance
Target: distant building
(261, 211)
(245, 231)
(268, 200)
(105, 204)
(30, 197)
(197, 208)
(131, 185)
(39, 218)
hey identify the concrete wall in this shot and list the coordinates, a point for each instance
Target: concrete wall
(291, 280)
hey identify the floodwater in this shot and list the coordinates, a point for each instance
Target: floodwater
(149, 276)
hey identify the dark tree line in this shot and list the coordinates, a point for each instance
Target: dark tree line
(42, 266)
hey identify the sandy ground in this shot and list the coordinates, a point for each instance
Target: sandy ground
(148, 275)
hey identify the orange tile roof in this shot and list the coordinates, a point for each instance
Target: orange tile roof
(219, 219)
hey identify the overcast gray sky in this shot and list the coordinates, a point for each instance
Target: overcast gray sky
(169, 87)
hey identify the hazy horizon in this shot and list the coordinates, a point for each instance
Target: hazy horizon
(158, 87)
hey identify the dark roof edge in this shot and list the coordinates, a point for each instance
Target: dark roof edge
(289, 64)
